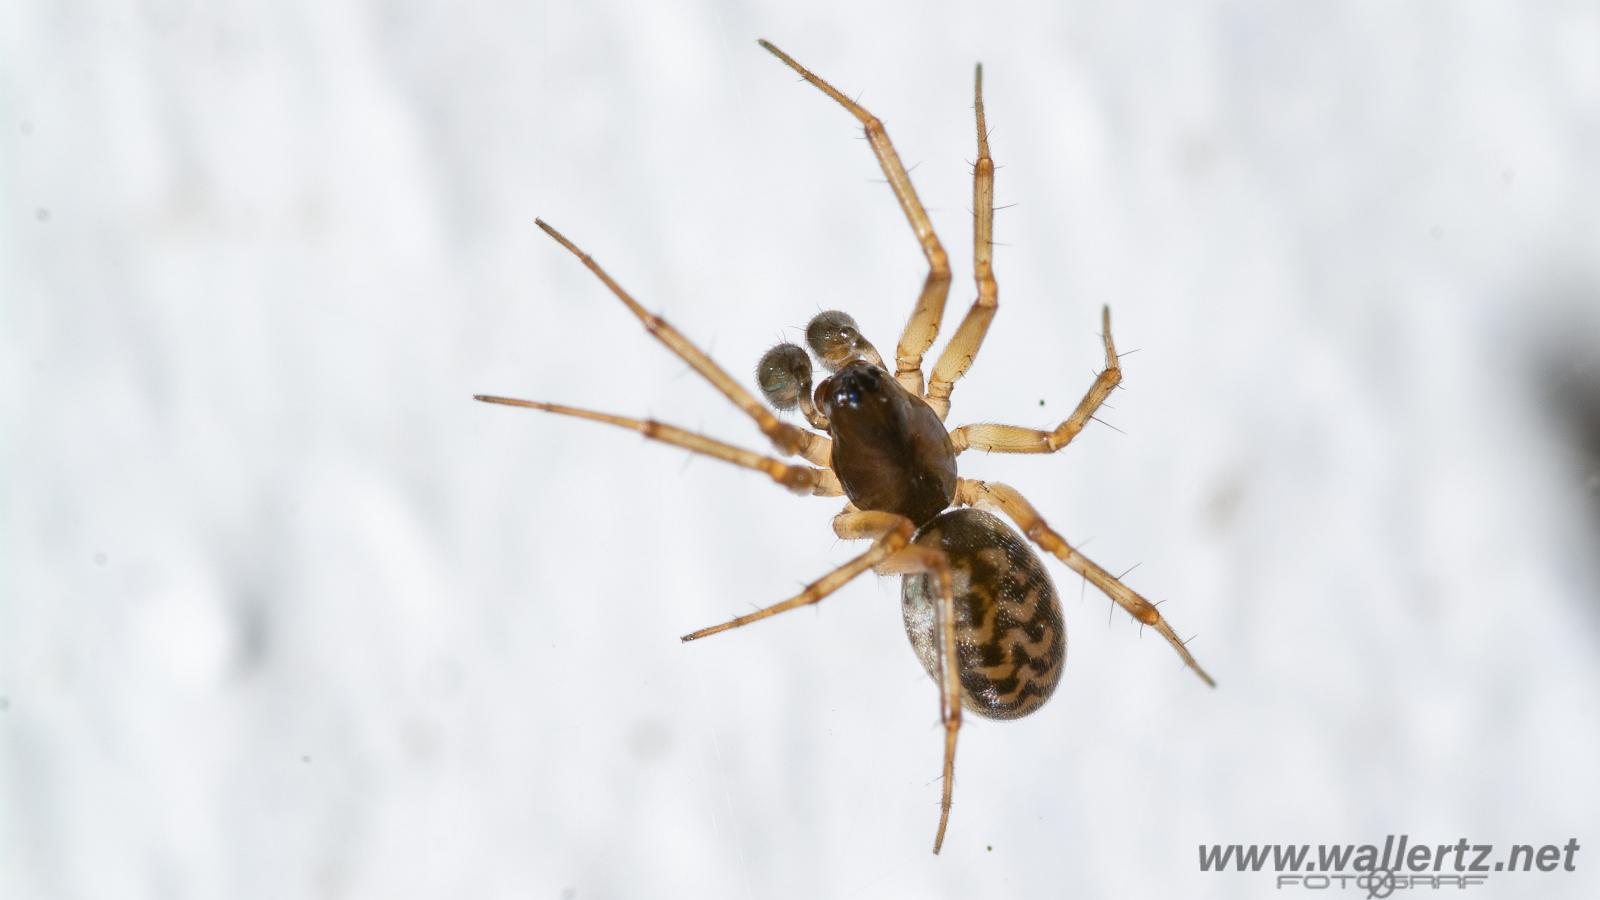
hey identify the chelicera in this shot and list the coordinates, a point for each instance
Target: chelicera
(979, 608)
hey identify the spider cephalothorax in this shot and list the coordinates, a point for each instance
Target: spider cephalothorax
(979, 608)
(890, 451)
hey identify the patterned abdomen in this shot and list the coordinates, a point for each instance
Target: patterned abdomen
(1010, 641)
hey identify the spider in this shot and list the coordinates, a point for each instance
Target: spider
(979, 608)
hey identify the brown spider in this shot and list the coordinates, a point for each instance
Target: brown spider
(979, 607)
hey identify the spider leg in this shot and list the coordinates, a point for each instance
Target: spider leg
(950, 700)
(891, 553)
(913, 559)
(892, 533)
(848, 524)
(963, 347)
(800, 479)
(923, 326)
(1016, 439)
(787, 438)
(1004, 498)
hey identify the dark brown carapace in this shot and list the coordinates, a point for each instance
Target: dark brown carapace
(979, 607)
(890, 451)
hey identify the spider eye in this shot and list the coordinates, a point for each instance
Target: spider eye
(784, 374)
(834, 338)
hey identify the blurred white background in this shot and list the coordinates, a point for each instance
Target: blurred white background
(284, 614)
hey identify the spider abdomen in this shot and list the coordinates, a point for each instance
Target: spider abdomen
(1010, 640)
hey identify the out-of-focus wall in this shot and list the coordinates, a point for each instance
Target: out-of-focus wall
(283, 613)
